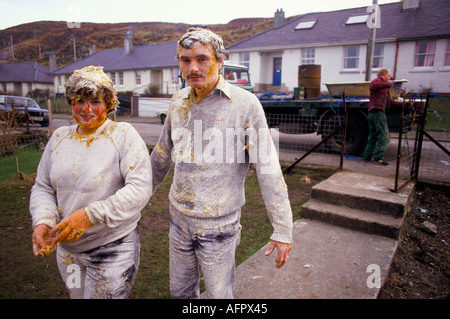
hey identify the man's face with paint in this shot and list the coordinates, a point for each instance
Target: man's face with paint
(89, 111)
(199, 66)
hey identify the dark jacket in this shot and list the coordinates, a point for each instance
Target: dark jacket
(379, 90)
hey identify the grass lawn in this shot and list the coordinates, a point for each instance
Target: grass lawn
(27, 158)
(22, 275)
(438, 115)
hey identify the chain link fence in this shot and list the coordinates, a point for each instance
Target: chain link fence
(20, 151)
(435, 157)
(21, 147)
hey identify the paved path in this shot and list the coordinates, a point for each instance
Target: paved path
(328, 261)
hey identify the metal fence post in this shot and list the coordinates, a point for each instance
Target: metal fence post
(50, 117)
(399, 147)
(421, 129)
(344, 133)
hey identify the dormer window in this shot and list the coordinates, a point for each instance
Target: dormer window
(305, 25)
(357, 19)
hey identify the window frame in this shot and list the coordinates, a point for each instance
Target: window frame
(120, 78)
(425, 59)
(308, 56)
(138, 77)
(379, 56)
(244, 59)
(349, 58)
(447, 54)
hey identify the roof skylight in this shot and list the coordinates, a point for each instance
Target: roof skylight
(305, 25)
(357, 19)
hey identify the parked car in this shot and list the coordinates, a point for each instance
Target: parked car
(24, 109)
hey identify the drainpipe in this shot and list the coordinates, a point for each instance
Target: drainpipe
(396, 59)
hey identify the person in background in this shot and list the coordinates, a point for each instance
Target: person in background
(207, 191)
(379, 102)
(92, 182)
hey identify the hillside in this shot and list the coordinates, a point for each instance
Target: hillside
(32, 40)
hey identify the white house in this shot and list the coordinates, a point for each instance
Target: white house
(413, 41)
(131, 68)
(22, 78)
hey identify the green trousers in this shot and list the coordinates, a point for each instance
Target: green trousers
(378, 136)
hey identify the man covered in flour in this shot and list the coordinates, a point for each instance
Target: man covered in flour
(212, 133)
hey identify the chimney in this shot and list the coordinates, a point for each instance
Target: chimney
(51, 60)
(410, 4)
(128, 42)
(279, 19)
(92, 49)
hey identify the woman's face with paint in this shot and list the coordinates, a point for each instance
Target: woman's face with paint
(89, 112)
(199, 66)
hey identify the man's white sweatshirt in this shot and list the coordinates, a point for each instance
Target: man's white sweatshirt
(212, 143)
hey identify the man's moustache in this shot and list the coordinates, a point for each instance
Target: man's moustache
(195, 75)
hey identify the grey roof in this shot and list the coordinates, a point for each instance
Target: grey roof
(430, 20)
(159, 55)
(25, 72)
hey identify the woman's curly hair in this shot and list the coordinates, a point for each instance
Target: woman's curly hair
(91, 81)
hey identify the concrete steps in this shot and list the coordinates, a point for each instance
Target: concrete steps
(359, 202)
(349, 226)
(368, 222)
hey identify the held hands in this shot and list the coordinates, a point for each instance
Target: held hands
(283, 252)
(45, 239)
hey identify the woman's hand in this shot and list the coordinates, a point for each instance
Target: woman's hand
(43, 242)
(72, 228)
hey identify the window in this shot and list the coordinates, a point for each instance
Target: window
(174, 76)
(308, 56)
(244, 59)
(120, 78)
(138, 77)
(234, 75)
(447, 54)
(378, 52)
(60, 80)
(305, 25)
(351, 57)
(357, 19)
(112, 76)
(424, 56)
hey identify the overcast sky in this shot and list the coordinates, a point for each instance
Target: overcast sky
(15, 12)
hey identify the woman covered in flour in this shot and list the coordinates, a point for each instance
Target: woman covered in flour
(92, 182)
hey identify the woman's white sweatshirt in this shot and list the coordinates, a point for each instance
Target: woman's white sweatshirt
(108, 173)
